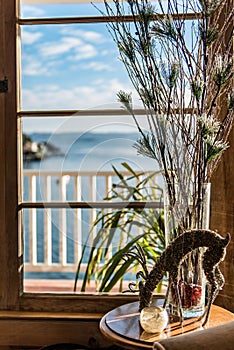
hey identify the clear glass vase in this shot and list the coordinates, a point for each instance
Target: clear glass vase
(186, 207)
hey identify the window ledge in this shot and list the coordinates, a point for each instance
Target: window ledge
(35, 329)
(48, 316)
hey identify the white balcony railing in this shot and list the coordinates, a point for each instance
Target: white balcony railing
(54, 236)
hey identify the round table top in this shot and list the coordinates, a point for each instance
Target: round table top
(122, 325)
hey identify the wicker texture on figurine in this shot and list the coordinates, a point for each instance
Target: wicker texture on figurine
(173, 256)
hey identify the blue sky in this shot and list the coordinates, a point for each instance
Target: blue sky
(74, 67)
(68, 67)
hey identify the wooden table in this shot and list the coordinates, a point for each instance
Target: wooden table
(122, 326)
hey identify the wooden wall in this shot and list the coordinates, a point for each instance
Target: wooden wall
(222, 220)
(222, 200)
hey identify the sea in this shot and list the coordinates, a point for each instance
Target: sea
(90, 151)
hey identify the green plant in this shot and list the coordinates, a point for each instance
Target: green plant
(118, 232)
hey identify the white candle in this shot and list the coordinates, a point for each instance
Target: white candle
(153, 319)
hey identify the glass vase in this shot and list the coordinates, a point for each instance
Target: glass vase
(187, 207)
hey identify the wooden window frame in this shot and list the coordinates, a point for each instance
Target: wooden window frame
(76, 302)
(12, 296)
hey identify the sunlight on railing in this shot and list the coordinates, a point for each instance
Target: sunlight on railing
(55, 236)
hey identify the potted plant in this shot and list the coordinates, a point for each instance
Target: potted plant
(178, 57)
(117, 232)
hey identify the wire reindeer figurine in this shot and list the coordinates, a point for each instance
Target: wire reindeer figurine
(170, 262)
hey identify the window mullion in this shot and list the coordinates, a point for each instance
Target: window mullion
(95, 19)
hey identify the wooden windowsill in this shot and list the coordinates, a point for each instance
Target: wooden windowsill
(36, 329)
(48, 316)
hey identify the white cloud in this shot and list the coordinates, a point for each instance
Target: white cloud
(59, 47)
(112, 50)
(88, 35)
(84, 51)
(29, 38)
(78, 49)
(31, 11)
(97, 66)
(101, 92)
(32, 66)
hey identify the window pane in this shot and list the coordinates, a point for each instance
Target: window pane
(89, 143)
(78, 67)
(37, 9)
(71, 159)
(42, 9)
(70, 67)
(56, 240)
(77, 166)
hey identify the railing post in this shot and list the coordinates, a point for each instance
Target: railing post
(33, 221)
(77, 219)
(93, 192)
(64, 179)
(47, 222)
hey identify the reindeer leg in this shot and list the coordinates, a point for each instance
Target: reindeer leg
(207, 312)
(207, 315)
(205, 309)
(167, 294)
(179, 304)
(212, 295)
(214, 277)
(211, 299)
(203, 315)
